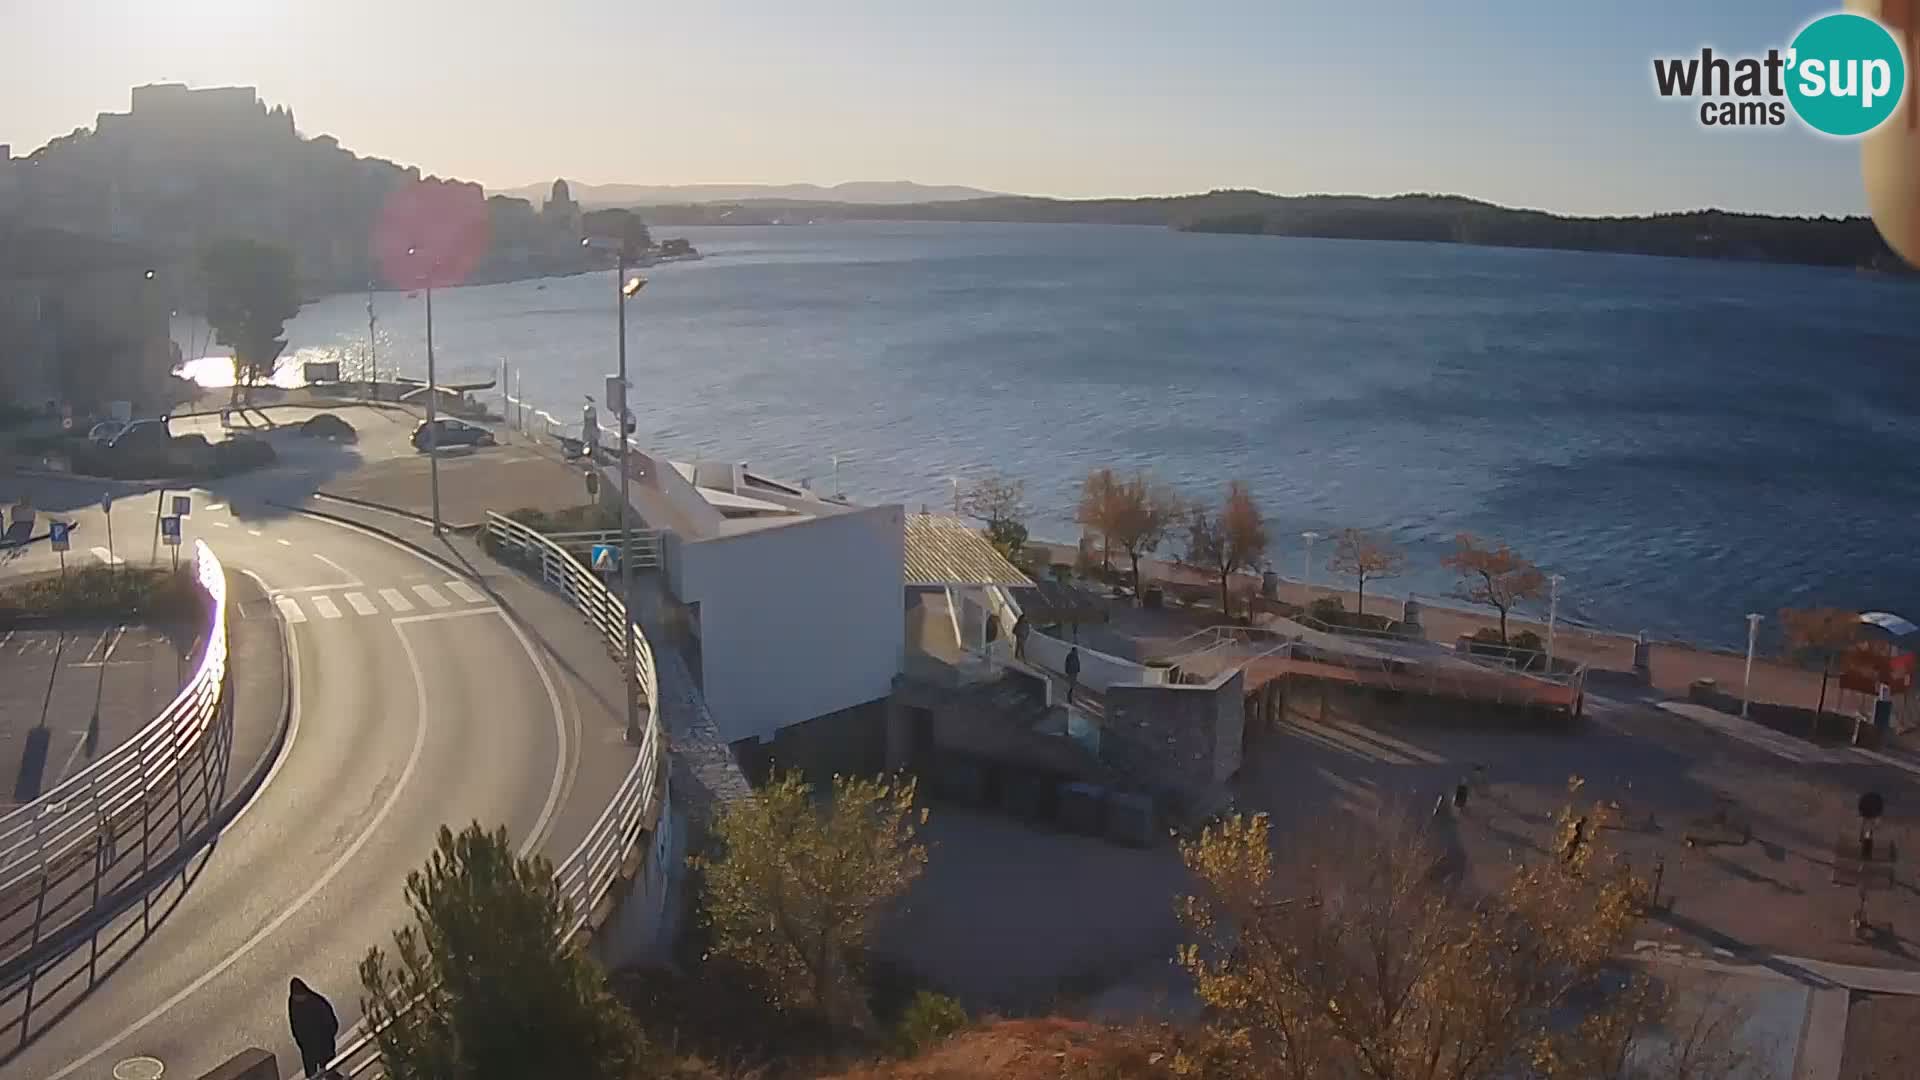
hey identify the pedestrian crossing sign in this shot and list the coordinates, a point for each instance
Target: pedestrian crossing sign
(606, 557)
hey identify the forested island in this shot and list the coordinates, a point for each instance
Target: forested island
(1446, 219)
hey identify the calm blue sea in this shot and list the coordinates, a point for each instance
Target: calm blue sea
(1684, 441)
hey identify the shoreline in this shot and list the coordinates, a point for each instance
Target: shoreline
(1673, 664)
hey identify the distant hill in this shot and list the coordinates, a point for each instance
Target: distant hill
(1444, 219)
(860, 192)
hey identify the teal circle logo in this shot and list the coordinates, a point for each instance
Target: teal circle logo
(1845, 74)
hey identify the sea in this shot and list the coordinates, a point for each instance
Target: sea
(1683, 441)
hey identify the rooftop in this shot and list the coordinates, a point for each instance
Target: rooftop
(946, 550)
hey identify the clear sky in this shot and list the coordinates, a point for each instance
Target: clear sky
(1546, 103)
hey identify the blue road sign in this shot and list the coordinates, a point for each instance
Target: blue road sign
(170, 531)
(606, 557)
(57, 535)
(182, 505)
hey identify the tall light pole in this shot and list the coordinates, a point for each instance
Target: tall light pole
(1746, 680)
(433, 391)
(625, 289)
(1306, 577)
(1553, 609)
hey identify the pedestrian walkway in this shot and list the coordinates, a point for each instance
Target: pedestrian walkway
(1760, 737)
(326, 604)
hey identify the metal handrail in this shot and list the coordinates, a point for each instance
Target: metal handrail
(97, 820)
(590, 871)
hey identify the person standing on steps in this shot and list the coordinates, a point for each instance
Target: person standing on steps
(1020, 628)
(1073, 671)
(315, 1027)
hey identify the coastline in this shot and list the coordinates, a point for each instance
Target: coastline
(1673, 665)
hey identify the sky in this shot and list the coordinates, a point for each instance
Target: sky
(1546, 104)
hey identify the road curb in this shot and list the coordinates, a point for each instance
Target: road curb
(369, 504)
(207, 836)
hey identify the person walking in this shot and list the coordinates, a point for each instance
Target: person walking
(1073, 671)
(1020, 629)
(590, 431)
(315, 1027)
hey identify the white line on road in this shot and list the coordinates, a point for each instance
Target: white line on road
(352, 579)
(438, 615)
(215, 506)
(290, 610)
(107, 557)
(253, 532)
(432, 596)
(220, 525)
(360, 604)
(325, 607)
(283, 542)
(325, 878)
(396, 601)
(465, 592)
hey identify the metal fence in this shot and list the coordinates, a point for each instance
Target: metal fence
(588, 874)
(645, 544)
(72, 851)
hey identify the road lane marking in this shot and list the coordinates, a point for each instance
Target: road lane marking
(326, 877)
(563, 771)
(360, 604)
(107, 557)
(432, 596)
(253, 532)
(438, 615)
(344, 572)
(221, 525)
(465, 592)
(290, 610)
(215, 506)
(324, 607)
(396, 601)
(283, 542)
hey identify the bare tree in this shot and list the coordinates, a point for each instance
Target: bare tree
(1494, 576)
(1099, 503)
(1232, 539)
(1365, 557)
(1820, 635)
(1143, 511)
(1000, 504)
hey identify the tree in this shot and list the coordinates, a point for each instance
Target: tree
(1142, 512)
(486, 982)
(1099, 502)
(1493, 576)
(1001, 505)
(1222, 543)
(251, 293)
(1365, 557)
(1362, 960)
(1820, 635)
(793, 889)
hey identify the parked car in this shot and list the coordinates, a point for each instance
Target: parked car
(104, 432)
(143, 437)
(330, 427)
(451, 432)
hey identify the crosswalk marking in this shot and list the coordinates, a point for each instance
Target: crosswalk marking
(325, 606)
(321, 602)
(360, 604)
(432, 596)
(290, 610)
(465, 591)
(396, 601)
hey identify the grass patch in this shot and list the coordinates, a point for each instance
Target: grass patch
(100, 591)
(588, 518)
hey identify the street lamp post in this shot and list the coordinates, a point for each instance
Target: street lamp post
(1746, 680)
(433, 426)
(1306, 577)
(1553, 610)
(625, 289)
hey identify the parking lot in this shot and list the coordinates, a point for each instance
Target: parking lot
(54, 682)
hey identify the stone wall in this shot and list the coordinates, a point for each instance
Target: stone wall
(1182, 743)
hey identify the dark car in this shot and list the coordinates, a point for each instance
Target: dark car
(330, 427)
(104, 432)
(451, 433)
(143, 437)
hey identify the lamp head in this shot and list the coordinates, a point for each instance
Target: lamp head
(633, 285)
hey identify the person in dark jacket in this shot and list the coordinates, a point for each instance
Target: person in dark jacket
(315, 1027)
(1073, 671)
(1020, 630)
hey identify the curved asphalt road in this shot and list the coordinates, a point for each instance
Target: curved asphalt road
(404, 720)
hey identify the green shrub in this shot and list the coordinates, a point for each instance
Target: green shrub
(929, 1019)
(1328, 609)
(1527, 641)
(105, 591)
(589, 517)
(1488, 635)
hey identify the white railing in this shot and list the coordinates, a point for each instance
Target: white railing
(588, 874)
(105, 827)
(644, 542)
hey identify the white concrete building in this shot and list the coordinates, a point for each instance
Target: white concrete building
(794, 599)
